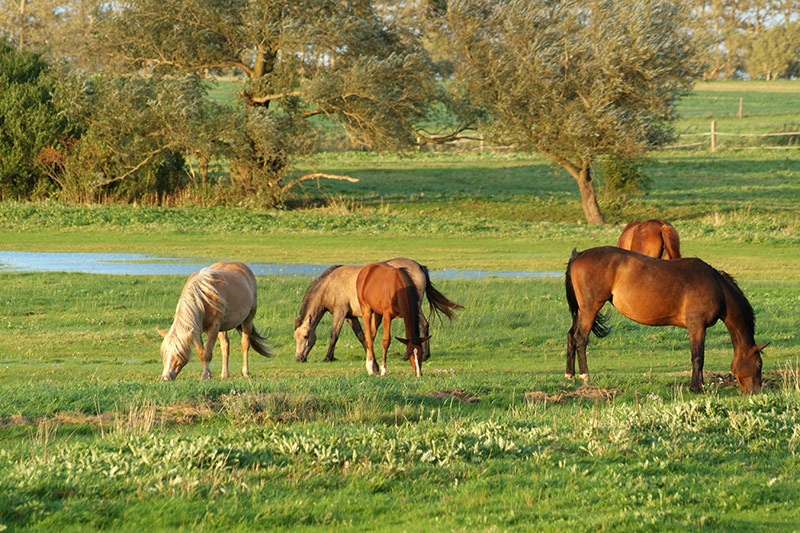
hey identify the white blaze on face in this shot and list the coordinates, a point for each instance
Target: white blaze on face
(417, 363)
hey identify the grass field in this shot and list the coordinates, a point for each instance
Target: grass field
(491, 438)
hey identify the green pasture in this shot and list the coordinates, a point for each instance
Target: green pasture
(491, 438)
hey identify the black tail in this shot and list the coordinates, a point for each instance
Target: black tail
(599, 327)
(438, 301)
(258, 343)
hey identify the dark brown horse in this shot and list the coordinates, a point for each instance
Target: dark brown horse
(656, 238)
(384, 293)
(684, 292)
(334, 291)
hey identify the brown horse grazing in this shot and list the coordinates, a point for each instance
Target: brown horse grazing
(385, 292)
(334, 291)
(684, 292)
(656, 238)
(214, 300)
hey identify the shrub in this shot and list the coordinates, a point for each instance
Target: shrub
(624, 177)
(29, 123)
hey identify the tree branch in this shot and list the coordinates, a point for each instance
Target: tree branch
(315, 175)
(131, 171)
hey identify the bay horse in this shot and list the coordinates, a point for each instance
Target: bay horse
(385, 292)
(334, 291)
(214, 300)
(686, 292)
(654, 237)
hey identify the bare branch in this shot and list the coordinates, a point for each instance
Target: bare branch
(316, 175)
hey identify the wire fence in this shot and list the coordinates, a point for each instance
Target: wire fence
(713, 140)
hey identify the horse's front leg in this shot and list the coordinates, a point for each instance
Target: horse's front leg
(224, 345)
(205, 353)
(369, 337)
(697, 342)
(387, 339)
(336, 327)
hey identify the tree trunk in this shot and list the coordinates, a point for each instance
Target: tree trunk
(591, 210)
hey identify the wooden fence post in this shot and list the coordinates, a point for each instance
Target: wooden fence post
(713, 135)
(741, 104)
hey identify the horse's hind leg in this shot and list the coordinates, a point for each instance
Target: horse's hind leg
(387, 339)
(356, 326)
(247, 329)
(424, 329)
(570, 372)
(222, 337)
(577, 340)
(697, 341)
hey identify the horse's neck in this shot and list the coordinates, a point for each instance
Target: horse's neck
(410, 315)
(315, 309)
(740, 329)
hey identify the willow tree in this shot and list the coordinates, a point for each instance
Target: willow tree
(300, 59)
(574, 79)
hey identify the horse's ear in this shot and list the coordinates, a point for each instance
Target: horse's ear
(296, 322)
(404, 341)
(761, 347)
(425, 338)
(161, 332)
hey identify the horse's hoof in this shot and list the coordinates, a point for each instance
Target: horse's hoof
(383, 371)
(329, 360)
(584, 378)
(245, 374)
(300, 359)
(569, 376)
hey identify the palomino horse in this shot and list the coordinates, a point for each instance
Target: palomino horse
(334, 291)
(656, 238)
(385, 292)
(214, 300)
(684, 292)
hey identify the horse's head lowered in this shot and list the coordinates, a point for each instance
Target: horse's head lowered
(174, 355)
(414, 353)
(305, 337)
(747, 369)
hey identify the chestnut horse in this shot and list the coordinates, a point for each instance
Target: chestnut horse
(385, 292)
(683, 292)
(656, 238)
(334, 291)
(214, 300)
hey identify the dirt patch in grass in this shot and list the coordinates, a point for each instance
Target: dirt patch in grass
(587, 392)
(457, 394)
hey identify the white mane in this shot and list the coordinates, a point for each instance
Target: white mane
(187, 326)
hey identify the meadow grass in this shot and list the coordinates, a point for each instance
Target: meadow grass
(491, 438)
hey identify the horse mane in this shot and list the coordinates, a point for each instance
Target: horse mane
(741, 299)
(189, 313)
(312, 290)
(413, 300)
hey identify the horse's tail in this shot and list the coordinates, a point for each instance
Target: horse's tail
(624, 237)
(672, 244)
(438, 301)
(599, 327)
(258, 343)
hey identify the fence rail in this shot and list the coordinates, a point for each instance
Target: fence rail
(714, 135)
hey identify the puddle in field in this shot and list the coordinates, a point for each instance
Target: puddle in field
(141, 264)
